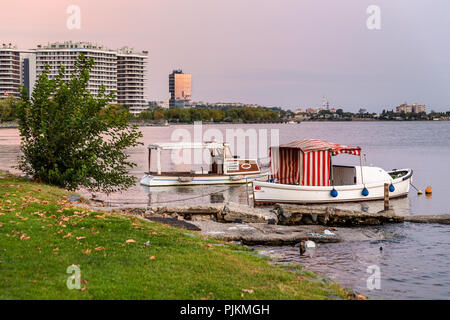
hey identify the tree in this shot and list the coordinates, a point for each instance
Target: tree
(8, 108)
(71, 138)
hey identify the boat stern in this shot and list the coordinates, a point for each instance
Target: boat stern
(146, 180)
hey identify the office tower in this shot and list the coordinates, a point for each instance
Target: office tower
(180, 89)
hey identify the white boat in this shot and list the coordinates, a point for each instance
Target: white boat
(223, 168)
(302, 172)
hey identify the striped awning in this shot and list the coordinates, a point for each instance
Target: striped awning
(306, 162)
(309, 145)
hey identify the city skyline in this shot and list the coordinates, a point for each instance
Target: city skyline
(286, 54)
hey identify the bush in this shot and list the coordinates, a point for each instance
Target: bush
(71, 138)
(8, 108)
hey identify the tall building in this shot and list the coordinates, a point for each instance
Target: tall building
(56, 54)
(180, 89)
(10, 71)
(132, 80)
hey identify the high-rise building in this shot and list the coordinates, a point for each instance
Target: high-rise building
(131, 79)
(104, 71)
(180, 89)
(10, 71)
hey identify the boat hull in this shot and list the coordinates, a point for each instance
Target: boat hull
(160, 181)
(269, 193)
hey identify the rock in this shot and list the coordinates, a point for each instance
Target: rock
(194, 213)
(264, 234)
(298, 215)
(229, 212)
(74, 198)
(441, 219)
(233, 212)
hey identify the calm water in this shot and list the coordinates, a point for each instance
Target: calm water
(414, 263)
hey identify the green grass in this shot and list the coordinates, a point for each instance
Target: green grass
(41, 235)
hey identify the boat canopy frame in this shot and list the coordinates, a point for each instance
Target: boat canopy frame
(210, 145)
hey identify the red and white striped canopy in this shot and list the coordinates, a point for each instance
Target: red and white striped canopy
(309, 145)
(306, 162)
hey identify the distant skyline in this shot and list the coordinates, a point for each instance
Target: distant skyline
(287, 53)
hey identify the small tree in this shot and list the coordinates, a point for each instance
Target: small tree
(71, 138)
(8, 108)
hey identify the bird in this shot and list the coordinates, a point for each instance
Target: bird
(302, 247)
(381, 248)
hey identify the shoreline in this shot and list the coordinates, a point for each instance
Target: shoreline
(150, 124)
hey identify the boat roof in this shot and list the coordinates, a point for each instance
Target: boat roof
(311, 145)
(187, 145)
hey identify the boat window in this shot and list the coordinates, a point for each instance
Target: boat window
(344, 175)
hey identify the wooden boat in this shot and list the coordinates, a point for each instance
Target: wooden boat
(302, 172)
(224, 168)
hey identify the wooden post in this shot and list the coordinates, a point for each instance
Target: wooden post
(246, 190)
(386, 196)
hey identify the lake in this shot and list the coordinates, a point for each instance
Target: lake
(415, 260)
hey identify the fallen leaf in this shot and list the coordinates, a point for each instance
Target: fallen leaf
(67, 235)
(80, 238)
(82, 289)
(248, 291)
(130, 241)
(152, 258)
(87, 251)
(24, 237)
(99, 248)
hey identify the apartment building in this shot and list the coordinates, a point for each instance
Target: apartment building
(65, 54)
(414, 108)
(132, 80)
(10, 71)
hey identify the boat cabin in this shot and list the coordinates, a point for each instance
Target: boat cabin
(309, 162)
(222, 162)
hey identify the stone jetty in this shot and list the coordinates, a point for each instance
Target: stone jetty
(327, 216)
(229, 212)
(440, 219)
(282, 225)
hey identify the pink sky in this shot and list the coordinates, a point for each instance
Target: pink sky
(281, 53)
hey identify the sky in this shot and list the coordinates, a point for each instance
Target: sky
(286, 53)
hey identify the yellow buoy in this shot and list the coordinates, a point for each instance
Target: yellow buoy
(429, 190)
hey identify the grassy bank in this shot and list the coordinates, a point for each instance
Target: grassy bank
(41, 234)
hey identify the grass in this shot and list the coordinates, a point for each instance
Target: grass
(42, 234)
